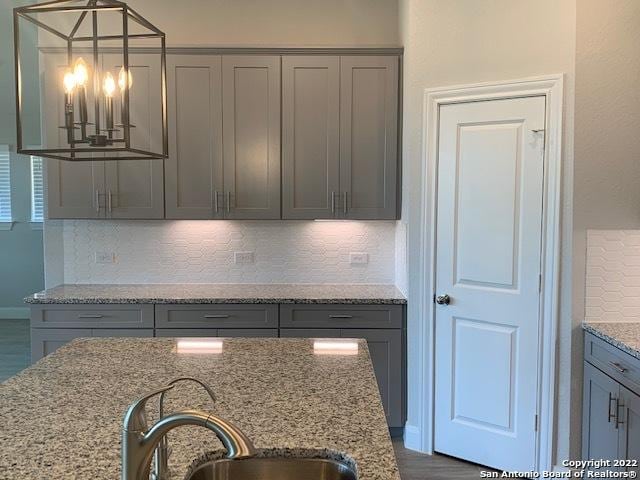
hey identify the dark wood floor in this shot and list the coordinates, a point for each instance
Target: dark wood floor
(15, 347)
(14, 356)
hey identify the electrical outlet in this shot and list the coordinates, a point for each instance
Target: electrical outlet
(358, 258)
(243, 258)
(104, 258)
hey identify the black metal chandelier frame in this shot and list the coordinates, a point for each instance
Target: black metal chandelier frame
(85, 148)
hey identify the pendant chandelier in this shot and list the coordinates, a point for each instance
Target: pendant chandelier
(90, 89)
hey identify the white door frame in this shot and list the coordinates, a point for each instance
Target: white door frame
(551, 87)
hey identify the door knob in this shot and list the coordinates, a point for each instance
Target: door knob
(443, 299)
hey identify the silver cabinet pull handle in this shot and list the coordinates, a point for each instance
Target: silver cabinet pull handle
(344, 203)
(216, 316)
(90, 315)
(215, 201)
(618, 405)
(611, 416)
(340, 316)
(618, 367)
(333, 202)
(228, 202)
(97, 200)
(110, 203)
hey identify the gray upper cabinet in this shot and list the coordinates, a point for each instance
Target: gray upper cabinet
(135, 188)
(310, 136)
(131, 189)
(194, 183)
(251, 136)
(74, 190)
(369, 136)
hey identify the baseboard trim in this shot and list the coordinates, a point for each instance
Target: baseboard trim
(412, 438)
(13, 313)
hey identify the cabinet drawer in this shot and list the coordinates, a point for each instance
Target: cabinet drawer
(92, 316)
(217, 316)
(614, 362)
(341, 316)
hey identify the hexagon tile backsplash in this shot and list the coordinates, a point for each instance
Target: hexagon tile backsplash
(203, 251)
(613, 276)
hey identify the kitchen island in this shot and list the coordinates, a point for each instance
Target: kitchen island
(62, 417)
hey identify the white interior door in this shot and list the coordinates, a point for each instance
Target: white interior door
(490, 186)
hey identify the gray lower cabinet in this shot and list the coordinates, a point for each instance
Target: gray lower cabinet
(221, 316)
(611, 404)
(125, 316)
(629, 446)
(218, 332)
(383, 327)
(385, 348)
(251, 136)
(47, 340)
(600, 435)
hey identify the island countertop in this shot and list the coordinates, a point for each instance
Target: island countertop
(62, 417)
(623, 335)
(198, 293)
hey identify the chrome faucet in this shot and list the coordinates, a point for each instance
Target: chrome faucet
(139, 441)
(160, 469)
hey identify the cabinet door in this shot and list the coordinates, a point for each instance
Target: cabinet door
(74, 189)
(135, 188)
(599, 433)
(122, 332)
(310, 136)
(385, 348)
(248, 332)
(310, 333)
(251, 136)
(45, 341)
(194, 166)
(368, 136)
(629, 431)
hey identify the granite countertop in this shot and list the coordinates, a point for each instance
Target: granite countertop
(623, 335)
(220, 293)
(61, 418)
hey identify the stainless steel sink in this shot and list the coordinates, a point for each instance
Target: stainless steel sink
(278, 468)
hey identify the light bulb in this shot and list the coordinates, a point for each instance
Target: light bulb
(109, 85)
(69, 82)
(122, 79)
(81, 72)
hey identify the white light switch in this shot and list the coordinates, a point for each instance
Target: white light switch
(358, 258)
(243, 258)
(105, 257)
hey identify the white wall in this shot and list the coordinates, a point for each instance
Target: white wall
(274, 22)
(607, 143)
(468, 41)
(203, 251)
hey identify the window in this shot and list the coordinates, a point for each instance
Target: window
(5, 185)
(37, 190)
